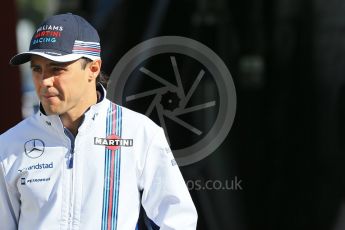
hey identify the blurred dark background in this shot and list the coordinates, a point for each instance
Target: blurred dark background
(287, 60)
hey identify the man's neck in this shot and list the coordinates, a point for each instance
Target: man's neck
(73, 118)
(72, 124)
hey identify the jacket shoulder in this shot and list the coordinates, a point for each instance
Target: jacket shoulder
(16, 134)
(18, 128)
(137, 119)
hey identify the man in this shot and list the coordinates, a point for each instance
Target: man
(83, 162)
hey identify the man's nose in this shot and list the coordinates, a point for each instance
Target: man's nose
(47, 79)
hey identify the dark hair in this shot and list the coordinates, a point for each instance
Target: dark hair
(102, 78)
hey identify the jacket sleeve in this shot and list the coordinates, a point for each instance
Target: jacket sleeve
(9, 203)
(165, 196)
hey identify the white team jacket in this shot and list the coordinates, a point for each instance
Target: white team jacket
(118, 154)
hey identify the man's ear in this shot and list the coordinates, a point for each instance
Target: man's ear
(95, 69)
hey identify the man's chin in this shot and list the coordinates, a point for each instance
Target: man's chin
(51, 110)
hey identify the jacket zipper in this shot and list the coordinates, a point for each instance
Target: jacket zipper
(70, 176)
(70, 205)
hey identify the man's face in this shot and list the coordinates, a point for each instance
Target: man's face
(61, 87)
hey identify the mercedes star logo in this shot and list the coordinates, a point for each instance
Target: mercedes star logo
(34, 148)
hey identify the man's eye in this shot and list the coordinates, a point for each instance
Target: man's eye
(58, 69)
(36, 69)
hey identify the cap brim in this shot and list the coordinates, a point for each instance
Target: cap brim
(24, 57)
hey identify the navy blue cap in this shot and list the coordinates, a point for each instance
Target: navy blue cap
(62, 38)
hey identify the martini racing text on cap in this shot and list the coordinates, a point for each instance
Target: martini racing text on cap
(62, 38)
